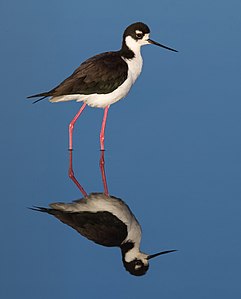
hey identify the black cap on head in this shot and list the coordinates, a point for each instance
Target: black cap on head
(136, 267)
(131, 30)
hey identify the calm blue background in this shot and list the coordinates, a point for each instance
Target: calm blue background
(173, 149)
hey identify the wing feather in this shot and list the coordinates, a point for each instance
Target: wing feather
(100, 74)
(102, 228)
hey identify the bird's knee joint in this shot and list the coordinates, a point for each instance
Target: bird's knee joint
(71, 173)
(71, 126)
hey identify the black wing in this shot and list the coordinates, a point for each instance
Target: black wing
(102, 228)
(100, 74)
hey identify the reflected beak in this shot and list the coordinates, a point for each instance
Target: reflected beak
(150, 41)
(159, 253)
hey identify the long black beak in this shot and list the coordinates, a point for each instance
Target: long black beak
(160, 45)
(159, 253)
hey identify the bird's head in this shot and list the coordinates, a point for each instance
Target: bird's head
(136, 262)
(137, 35)
(138, 265)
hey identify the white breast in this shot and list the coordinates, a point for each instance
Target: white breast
(104, 100)
(134, 66)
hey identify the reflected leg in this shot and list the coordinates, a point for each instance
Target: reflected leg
(71, 126)
(102, 131)
(71, 174)
(102, 170)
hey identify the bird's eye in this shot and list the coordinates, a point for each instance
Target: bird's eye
(139, 35)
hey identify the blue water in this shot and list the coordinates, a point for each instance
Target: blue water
(172, 150)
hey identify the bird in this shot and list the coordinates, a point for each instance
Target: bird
(104, 79)
(107, 221)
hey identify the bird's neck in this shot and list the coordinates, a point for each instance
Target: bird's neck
(127, 246)
(128, 249)
(131, 251)
(126, 52)
(130, 48)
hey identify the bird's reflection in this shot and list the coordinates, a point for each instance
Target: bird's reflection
(105, 220)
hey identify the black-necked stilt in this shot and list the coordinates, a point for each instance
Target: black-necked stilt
(108, 221)
(105, 78)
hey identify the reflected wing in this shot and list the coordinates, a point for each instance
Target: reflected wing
(101, 227)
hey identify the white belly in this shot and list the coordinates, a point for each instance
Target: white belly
(104, 100)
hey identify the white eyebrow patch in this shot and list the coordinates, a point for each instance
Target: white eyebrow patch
(137, 267)
(138, 31)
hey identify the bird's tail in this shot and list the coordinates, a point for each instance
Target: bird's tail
(40, 209)
(46, 210)
(58, 214)
(42, 95)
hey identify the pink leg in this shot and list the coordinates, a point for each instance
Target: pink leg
(102, 132)
(72, 177)
(71, 126)
(102, 170)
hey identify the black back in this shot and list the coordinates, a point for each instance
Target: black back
(100, 74)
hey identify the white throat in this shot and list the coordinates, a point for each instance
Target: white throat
(133, 45)
(135, 253)
(135, 63)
